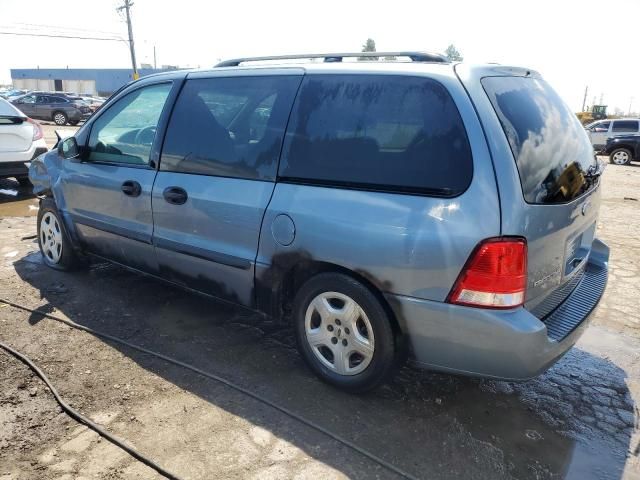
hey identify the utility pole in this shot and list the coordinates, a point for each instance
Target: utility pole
(630, 103)
(584, 100)
(127, 5)
(155, 66)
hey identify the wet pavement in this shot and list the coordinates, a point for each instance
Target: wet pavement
(16, 200)
(577, 421)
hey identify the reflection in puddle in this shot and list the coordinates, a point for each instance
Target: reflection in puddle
(20, 208)
(16, 200)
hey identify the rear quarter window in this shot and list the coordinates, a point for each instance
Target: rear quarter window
(552, 150)
(380, 132)
(629, 126)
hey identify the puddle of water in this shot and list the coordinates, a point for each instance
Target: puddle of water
(20, 208)
(534, 448)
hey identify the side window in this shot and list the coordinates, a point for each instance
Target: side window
(629, 126)
(28, 99)
(40, 99)
(125, 132)
(390, 133)
(231, 127)
(601, 127)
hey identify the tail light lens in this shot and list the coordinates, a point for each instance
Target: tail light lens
(37, 129)
(495, 275)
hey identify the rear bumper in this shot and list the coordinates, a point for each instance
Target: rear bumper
(513, 344)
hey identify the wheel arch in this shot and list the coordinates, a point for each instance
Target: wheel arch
(299, 269)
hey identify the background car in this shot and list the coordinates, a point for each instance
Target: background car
(13, 94)
(57, 107)
(623, 149)
(21, 140)
(599, 131)
(94, 103)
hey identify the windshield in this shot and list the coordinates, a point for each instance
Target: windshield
(552, 150)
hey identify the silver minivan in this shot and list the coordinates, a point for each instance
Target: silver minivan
(601, 130)
(402, 206)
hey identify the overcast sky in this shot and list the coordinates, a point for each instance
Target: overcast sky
(572, 43)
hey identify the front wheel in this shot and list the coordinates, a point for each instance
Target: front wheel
(344, 332)
(60, 118)
(620, 156)
(55, 245)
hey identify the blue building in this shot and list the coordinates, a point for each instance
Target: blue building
(93, 81)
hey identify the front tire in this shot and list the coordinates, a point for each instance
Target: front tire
(344, 332)
(53, 240)
(60, 118)
(620, 156)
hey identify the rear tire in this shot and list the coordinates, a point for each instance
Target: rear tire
(620, 156)
(60, 118)
(55, 245)
(344, 332)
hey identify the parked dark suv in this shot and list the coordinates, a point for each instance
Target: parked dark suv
(58, 107)
(623, 150)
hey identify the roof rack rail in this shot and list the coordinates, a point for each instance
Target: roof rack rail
(337, 57)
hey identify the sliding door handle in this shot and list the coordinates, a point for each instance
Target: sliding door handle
(175, 195)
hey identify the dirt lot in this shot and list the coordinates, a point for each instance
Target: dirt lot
(577, 421)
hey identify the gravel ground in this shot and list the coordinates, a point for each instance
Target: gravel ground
(579, 420)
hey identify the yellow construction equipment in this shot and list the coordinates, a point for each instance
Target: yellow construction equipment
(597, 112)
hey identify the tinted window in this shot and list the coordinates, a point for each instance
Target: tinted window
(551, 147)
(57, 100)
(230, 127)
(28, 99)
(125, 132)
(42, 99)
(625, 126)
(382, 132)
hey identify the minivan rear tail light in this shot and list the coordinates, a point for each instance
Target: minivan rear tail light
(495, 276)
(37, 129)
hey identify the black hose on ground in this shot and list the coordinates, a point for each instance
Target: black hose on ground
(228, 383)
(82, 419)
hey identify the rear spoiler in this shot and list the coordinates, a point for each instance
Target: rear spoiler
(11, 119)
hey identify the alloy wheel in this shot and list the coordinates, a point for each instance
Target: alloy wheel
(620, 158)
(339, 333)
(51, 237)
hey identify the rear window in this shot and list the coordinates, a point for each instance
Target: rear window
(550, 145)
(377, 132)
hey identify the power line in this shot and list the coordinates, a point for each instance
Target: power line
(30, 26)
(62, 36)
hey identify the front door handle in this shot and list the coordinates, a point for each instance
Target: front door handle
(175, 195)
(131, 188)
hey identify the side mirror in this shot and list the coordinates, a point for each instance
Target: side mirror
(68, 148)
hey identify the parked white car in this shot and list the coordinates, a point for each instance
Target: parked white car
(21, 140)
(600, 130)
